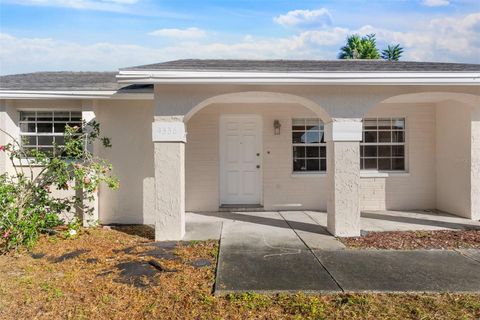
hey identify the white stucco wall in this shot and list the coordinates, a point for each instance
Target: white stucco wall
(453, 158)
(338, 101)
(129, 125)
(281, 188)
(414, 189)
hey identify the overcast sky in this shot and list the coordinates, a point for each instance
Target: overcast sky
(100, 35)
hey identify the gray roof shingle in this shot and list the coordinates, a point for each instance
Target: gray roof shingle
(106, 81)
(61, 81)
(307, 66)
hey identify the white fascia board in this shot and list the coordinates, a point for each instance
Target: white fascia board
(398, 78)
(114, 95)
(33, 94)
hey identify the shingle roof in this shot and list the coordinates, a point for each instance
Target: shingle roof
(61, 81)
(307, 66)
(106, 81)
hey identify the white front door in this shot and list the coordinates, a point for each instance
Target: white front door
(240, 159)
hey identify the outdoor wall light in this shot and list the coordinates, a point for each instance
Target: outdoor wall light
(276, 127)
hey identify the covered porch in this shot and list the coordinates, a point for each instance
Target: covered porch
(435, 169)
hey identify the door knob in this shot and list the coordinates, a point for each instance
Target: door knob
(258, 154)
(258, 166)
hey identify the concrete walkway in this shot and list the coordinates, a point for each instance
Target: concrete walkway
(284, 251)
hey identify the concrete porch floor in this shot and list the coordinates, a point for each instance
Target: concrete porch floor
(311, 225)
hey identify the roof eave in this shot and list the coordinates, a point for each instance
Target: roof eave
(299, 78)
(40, 94)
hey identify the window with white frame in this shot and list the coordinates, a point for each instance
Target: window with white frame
(309, 148)
(44, 130)
(383, 144)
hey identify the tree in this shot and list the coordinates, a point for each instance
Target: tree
(360, 48)
(392, 53)
(27, 205)
(365, 47)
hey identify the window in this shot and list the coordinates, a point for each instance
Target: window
(383, 145)
(43, 130)
(309, 148)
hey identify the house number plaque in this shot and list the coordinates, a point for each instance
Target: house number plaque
(168, 132)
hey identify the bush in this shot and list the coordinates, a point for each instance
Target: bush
(27, 206)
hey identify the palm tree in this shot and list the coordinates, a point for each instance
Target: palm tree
(392, 53)
(352, 49)
(360, 48)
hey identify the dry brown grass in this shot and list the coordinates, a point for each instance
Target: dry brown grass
(82, 288)
(408, 240)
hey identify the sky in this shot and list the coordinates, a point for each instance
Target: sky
(104, 35)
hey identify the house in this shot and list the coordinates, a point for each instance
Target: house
(199, 135)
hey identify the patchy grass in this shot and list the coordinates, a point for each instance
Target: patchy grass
(408, 240)
(91, 277)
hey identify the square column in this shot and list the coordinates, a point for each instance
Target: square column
(343, 138)
(169, 139)
(89, 217)
(7, 123)
(475, 164)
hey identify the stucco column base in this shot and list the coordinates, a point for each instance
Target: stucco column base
(343, 173)
(169, 191)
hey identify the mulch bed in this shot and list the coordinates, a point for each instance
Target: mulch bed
(121, 274)
(410, 240)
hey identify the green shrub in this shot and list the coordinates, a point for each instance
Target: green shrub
(27, 206)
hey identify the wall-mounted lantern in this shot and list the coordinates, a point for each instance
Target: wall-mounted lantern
(276, 127)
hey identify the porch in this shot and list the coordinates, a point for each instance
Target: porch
(407, 152)
(311, 226)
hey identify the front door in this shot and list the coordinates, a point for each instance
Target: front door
(240, 159)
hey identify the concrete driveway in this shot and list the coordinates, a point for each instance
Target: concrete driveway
(285, 251)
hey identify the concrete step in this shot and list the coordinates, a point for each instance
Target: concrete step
(240, 208)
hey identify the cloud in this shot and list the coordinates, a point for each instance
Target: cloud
(130, 7)
(188, 33)
(305, 18)
(442, 39)
(435, 3)
(99, 5)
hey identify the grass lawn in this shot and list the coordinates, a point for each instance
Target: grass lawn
(117, 274)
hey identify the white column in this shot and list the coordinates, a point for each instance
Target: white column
(475, 164)
(343, 138)
(89, 217)
(169, 138)
(8, 123)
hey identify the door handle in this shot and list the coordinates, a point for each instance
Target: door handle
(258, 166)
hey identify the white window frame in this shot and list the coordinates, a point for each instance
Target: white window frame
(37, 134)
(385, 173)
(319, 145)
